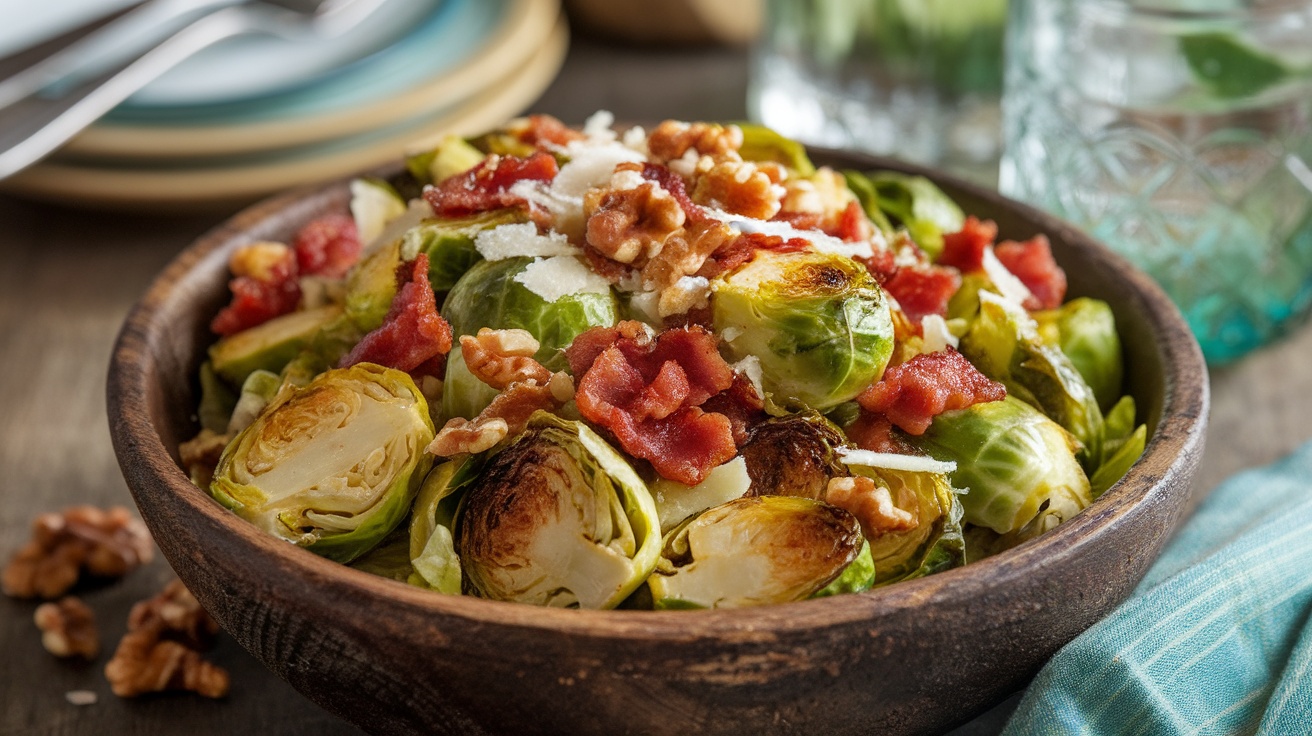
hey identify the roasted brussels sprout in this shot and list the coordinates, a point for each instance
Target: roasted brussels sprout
(452, 155)
(763, 144)
(856, 577)
(1085, 330)
(793, 456)
(268, 346)
(1122, 445)
(1017, 466)
(934, 544)
(676, 501)
(557, 518)
(333, 466)
(390, 559)
(818, 323)
(489, 296)
(913, 201)
(217, 400)
(753, 551)
(1004, 344)
(432, 544)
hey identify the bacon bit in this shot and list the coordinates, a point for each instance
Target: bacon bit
(1032, 263)
(502, 357)
(260, 294)
(913, 393)
(853, 225)
(328, 246)
(882, 264)
(875, 433)
(800, 220)
(741, 404)
(743, 248)
(413, 332)
(923, 290)
(871, 504)
(622, 375)
(964, 250)
(485, 186)
(546, 130)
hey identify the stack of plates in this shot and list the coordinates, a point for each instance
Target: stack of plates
(257, 115)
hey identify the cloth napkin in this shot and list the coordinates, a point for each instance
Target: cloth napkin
(1217, 639)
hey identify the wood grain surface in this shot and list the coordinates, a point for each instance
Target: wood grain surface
(68, 277)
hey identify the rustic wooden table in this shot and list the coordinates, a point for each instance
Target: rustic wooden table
(68, 276)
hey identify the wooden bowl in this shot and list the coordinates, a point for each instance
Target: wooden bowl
(915, 657)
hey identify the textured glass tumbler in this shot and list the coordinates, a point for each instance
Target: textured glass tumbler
(1181, 135)
(917, 79)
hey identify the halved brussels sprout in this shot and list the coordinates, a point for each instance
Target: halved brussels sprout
(259, 390)
(856, 577)
(452, 155)
(1017, 466)
(489, 296)
(1005, 346)
(934, 544)
(557, 518)
(1085, 330)
(818, 323)
(268, 346)
(754, 551)
(333, 466)
(793, 456)
(432, 544)
(676, 501)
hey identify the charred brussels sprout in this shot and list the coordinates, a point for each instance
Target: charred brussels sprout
(818, 322)
(334, 466)
(1018, 466)
(793, 456)
(489, 296)
(753, 551)
(557, 518)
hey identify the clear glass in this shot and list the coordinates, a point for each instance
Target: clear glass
(918, 79)
(1180, 134)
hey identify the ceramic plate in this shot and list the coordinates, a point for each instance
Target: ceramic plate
(209, 186)
(452, 55)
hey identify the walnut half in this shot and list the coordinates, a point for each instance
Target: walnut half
(160, 652)
(107, 544)
(68, 628)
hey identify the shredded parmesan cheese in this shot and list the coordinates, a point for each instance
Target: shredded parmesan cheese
(820, 241)
(689, 292)
(1008, 285)
(894, 461)
(521, 239)
(750, 366)
(937, 336)
(559, 276)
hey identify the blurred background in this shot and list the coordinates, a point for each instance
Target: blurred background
(82, 233)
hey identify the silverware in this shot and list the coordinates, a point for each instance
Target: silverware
(67, 98)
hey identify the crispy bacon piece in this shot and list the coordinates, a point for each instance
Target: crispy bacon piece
(485, 186)
(328, 246)
(1032, 263)
(923, 290)
(964, 250)
(741, 404)
(258, 298)
(911, 394)
(648, 393)
(741, 249)
(853, 225)
(875, 433)
(413, 332)
(546, 130)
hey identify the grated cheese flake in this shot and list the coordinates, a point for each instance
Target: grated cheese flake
(1006, 282)
(689, 292)
(559, 276)
(937, 335)
(894, 461)
(822, 242)
(521, 239)
(750, 366)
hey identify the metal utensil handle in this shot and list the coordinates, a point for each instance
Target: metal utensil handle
(34, 127)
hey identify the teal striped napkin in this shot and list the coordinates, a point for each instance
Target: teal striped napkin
(1217, 639)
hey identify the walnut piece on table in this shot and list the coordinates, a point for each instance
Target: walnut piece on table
(105, 543)
(68, 628)
(161, 651)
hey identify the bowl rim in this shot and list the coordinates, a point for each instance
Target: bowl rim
(1171, 452)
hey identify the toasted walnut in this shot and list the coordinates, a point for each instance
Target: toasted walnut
(632, 223)
(506, 416)
(106, 544)
(672, 139)
(160, 650)
(685, 252)
(738, 187)
(68, 628)
(260, 261)
(870, 503)
(502, 357)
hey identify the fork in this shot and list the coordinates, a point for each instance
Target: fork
(36, 125)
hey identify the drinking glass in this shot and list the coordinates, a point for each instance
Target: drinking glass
(919, 79)
(1180, 134)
